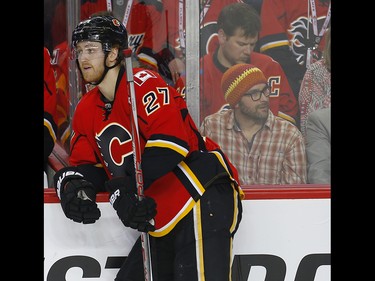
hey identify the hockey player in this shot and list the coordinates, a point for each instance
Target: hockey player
(143, 39)
(50, 118)
(190, 188)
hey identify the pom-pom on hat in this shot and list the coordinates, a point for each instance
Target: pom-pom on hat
(239, 79)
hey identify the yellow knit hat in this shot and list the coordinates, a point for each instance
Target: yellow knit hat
(238, 79)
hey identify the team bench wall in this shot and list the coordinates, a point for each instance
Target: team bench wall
(285, 235)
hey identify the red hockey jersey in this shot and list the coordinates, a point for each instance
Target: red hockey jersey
(290, 23)
(50, 119)
(147, 30)
(102, 134)
(49, 87)
(60, 65)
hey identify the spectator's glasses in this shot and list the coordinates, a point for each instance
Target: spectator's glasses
(256, 94)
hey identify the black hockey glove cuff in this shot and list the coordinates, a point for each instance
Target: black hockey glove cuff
(132, 212)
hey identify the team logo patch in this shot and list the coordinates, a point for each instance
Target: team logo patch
(115, 145)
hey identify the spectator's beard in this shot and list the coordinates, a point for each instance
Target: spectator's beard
(258, 112)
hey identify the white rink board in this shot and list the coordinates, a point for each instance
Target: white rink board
(289, 229)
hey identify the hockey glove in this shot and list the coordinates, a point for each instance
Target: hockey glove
(132, 212)
(77, 197)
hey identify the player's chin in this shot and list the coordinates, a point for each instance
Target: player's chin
(88, 78)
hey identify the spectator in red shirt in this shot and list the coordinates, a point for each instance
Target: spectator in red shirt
(238, 28)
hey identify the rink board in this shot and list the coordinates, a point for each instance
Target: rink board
(285, 234)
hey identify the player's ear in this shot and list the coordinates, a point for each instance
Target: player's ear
(112, 55)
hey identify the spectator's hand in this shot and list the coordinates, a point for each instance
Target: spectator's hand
(78, 201)
(131, 211)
